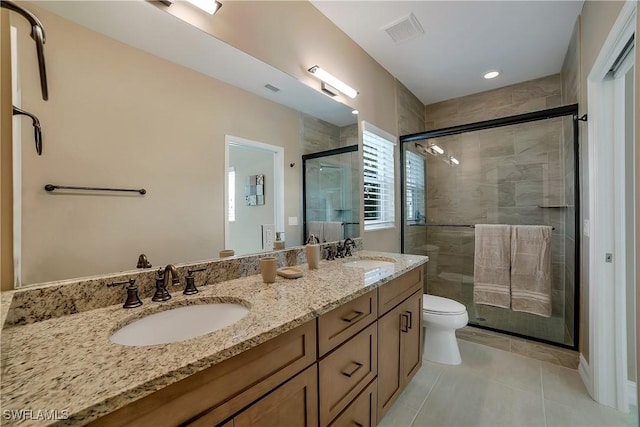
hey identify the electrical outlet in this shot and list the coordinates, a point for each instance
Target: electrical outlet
(293, 220)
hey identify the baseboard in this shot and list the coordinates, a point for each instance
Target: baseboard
(632, 393)
(585, 373)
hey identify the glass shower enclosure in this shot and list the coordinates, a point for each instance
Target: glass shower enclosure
(519, 170)
(330, 183)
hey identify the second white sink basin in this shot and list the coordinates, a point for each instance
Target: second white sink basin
(179, 324)
(368, 264)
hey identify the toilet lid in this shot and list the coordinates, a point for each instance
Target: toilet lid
(434, 304)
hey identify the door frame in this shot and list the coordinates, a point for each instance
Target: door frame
(605, 375)
(278, 179)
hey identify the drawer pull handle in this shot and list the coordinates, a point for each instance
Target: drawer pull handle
(358, 424)
(349, 374)
(410, 318)
(404, 322)
(353, 316)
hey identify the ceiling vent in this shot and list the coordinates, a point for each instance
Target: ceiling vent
(272, 88)
(404, 29)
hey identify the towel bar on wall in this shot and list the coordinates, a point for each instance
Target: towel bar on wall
(454, 225)
(51, 187)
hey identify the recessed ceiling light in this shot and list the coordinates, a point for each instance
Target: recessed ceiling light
(491, 74)
(354, 112)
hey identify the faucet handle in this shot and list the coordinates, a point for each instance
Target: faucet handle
(143, 262)
(133, 300)
(190, 288)
(330, 253)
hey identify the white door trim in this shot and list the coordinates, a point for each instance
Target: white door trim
(607, 319)
(278, 168)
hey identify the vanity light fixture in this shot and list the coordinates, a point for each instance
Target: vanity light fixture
(209, 6)
(333, 81)
(491, 74)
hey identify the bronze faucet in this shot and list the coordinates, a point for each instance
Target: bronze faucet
(143, 262)
(162, 281)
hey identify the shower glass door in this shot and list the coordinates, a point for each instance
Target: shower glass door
(517, 174)
(330, 186)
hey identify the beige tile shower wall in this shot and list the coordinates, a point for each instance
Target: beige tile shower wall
(318, 135)
(410, 111)
(519, 98)
(167, 137)
(570, 80)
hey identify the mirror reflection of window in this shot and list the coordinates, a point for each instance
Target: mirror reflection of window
(232, 194)
(414, 172)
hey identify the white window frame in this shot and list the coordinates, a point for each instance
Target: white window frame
(380, 174)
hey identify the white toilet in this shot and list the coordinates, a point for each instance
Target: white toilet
(441, 318)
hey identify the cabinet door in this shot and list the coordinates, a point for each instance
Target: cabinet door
(389, 357)
(293, 404)
(411, 336)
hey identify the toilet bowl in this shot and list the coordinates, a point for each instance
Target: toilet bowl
(441, 317)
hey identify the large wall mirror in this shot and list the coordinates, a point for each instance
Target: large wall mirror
(134, 108)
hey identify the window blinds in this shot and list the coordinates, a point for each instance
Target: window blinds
(379, 209)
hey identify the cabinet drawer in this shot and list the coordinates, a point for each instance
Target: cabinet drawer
(362, 411)
(340, 324)
(225, 388)
(346, 371)
(397, 290)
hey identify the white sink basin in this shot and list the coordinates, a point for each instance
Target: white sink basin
(368, 264)
(179, 324)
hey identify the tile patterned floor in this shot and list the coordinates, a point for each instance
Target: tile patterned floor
(493, 387)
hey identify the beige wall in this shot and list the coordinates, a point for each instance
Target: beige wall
(6, 170)
(596, 20)
(120, 117)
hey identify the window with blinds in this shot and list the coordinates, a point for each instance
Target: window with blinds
(379, 208)
(414, 186)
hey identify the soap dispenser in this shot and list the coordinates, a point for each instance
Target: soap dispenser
(313, 252)
(279, 242)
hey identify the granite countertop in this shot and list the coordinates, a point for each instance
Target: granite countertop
(69, 365)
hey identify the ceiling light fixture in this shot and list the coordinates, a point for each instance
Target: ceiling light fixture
(491, 74)
(454, 160)
(436, 148)
(333, 81)
(355, 112)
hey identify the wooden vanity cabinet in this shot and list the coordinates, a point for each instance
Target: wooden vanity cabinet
(294, 403)
(345, 368)
(223, 390)
(399, 339)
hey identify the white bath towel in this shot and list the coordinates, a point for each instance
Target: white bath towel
(531, 269)
(491, 266)
(333, 231)
(317, 229)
